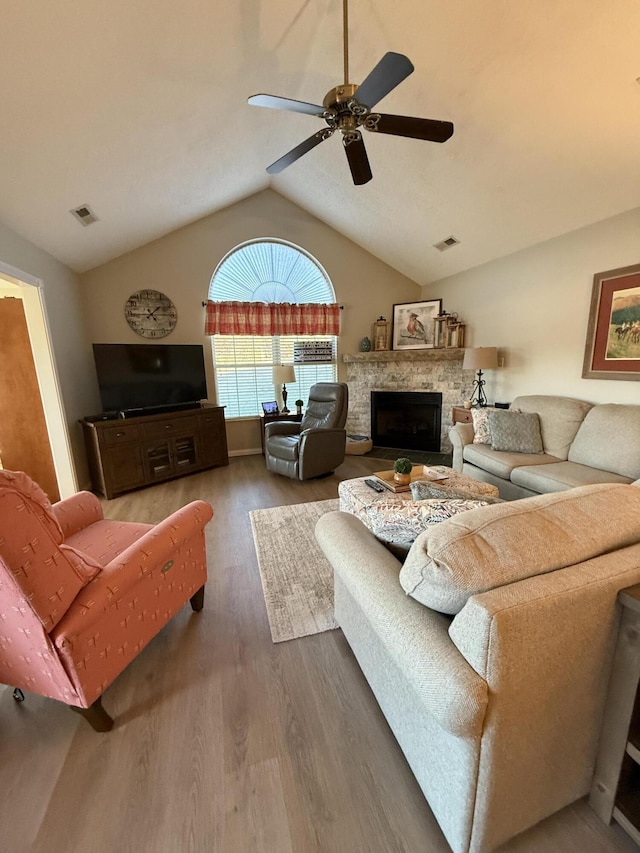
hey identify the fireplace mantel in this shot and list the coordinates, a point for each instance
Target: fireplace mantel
(450, 354)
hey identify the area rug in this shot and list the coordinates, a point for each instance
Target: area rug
(297, 579)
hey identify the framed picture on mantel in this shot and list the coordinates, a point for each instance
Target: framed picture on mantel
(413, 324)
(613, 336)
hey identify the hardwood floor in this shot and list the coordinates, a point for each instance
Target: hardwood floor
(225, 742)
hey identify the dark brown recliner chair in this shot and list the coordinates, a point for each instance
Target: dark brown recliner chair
(315, 446)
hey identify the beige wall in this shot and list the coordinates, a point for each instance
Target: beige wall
(534, 306)
(181, 265)
(72, 354)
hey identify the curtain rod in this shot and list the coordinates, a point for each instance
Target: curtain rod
(204, 305)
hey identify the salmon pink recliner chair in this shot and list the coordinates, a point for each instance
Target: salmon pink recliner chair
(80, 596)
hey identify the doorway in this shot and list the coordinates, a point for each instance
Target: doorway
(32, 422)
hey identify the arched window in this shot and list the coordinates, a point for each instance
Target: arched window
(267, 270)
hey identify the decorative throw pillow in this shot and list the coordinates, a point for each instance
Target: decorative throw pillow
(515, 432)
(398, 523)
(480, 418)
(421, 491)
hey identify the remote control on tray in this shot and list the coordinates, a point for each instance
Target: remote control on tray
(374, 485)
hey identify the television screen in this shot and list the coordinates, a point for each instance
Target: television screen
(141, 376)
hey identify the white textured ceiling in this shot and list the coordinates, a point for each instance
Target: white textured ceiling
(139, 109)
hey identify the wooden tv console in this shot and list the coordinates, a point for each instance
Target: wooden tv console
(128, 453)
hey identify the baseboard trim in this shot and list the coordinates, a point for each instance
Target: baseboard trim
(257, 451)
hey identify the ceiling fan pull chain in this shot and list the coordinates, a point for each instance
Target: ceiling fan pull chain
(345, 39)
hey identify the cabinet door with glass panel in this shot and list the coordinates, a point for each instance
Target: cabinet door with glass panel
(170, 447)
(170, 456)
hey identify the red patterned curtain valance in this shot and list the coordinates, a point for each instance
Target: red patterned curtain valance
(274, 318)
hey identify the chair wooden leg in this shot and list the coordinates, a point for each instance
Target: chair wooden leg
(96, 716)
(197, 600)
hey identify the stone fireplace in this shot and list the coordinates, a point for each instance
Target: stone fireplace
(432, 370)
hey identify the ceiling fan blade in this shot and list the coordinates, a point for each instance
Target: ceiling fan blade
(392, 69)
(358, 160)
(299, 150)
(274, 102)
(415, 128)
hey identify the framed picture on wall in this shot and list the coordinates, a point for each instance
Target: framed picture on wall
(612, 348)
(413, 324)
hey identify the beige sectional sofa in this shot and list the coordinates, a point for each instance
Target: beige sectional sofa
(583, 443)
(489, 651)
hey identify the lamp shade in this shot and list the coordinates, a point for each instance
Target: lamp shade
(283, 374)
(480, 358)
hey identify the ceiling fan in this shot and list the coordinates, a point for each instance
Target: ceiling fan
(348, 108)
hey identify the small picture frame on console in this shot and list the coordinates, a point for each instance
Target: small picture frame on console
(413, 326)
(270, 408)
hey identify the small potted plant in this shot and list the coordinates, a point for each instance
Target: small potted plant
(402, 468)
(299, 405)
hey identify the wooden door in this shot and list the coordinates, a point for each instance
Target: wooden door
(24, 439)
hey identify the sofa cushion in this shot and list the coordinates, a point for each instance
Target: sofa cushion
(480, 419)
(560, 419)
(561, 475)
(46, 573)
(515, 432)
(21, 484)
(499, 462)
(106, 539)
(497, 545)
(608, 440)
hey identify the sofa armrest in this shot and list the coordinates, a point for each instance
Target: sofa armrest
(154, 546)
(415, 637)
(460, 435)
(154, 549)
(545, 647)
(575, 605)
(321, 450)
(281, 428)
(77, 512)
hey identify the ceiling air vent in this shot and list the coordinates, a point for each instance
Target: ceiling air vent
(443, 245)
(84, 214)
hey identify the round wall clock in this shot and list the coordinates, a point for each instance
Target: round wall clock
(150, 313)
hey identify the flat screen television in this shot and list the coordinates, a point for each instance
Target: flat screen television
(149, 376)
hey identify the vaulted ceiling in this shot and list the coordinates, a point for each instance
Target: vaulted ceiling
(139, 109)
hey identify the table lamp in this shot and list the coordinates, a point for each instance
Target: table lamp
(283, 373)
(480, 358)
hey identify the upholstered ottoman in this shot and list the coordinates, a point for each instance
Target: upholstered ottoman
(396, 519)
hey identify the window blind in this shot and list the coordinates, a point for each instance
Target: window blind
(244, 371)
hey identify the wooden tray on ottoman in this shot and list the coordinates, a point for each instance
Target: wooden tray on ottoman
(418, 473)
